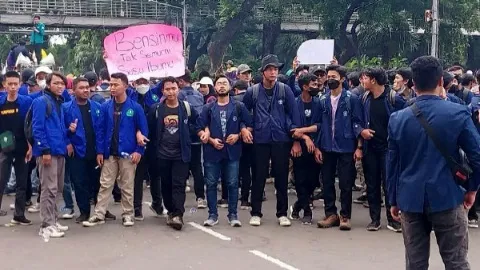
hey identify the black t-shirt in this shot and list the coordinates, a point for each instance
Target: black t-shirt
(379, 122)
(169, 147)
(117, 115)
(307, 110)
(10, 120)
(89, 132)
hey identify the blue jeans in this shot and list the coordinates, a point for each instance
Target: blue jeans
(212, 175)
(67, 187)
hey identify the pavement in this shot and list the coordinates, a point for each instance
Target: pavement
(151, 244)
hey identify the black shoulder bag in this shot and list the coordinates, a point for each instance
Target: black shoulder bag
(461, 171)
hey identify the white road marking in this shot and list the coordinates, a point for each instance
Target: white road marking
(210, 231)
(272, 260)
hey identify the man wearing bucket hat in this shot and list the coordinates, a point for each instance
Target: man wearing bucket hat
(275, 114)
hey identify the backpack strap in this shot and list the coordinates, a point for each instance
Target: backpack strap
(256, 90)
(49, 106)
(365, 96)
(349, 102)
(187, 108)
(281, 91)
(391, 97)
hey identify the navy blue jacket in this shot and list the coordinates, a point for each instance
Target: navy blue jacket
(49, 133)
(151, 97)
(237, 117)
(418, 176)
(348, 123)
(198, 97)
(272, 125)
(157, 125)
(132, 120)
(316, 118)
(399, 104)
(78, 139)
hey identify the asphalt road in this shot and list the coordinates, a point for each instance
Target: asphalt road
(151, 244)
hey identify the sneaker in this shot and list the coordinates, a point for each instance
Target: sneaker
(61, 228)
(21, 221)
(255, 221)
(139, 215)
(67, 213)
(93, 221)
(222, 203)
(294, 213)
(201, 203)
(365, 204)
(110, 216)
(473, 223)
(357, 188)
(28, 204)
(187, 189)
(318, 196)
(34, 208)
(128, 221)
(329, 222)
(51, 232)
(394, 226)
(284, 222)
(234, 222)
(374, 226)
(12, 206)
(177, 223)
(169, 220)
(360, 200)
(3, 213)
(245, 205)
(307, 220)
(345, 224)
(82, 218)
(157, 213)
(270, 180)
(210, 222)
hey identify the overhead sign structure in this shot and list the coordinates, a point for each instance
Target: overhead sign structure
(144, 51)
(316, 52)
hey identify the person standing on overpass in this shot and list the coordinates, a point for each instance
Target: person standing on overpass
(37, 36)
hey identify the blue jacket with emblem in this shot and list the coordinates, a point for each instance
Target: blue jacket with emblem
(78, 139)
(418, 176)
(132, 120)
(237, 118)
(273, 120)
(49, 133)
(348, 123)
(185, 127)
(151, 97)
(315, 118)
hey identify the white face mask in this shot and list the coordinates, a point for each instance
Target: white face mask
(142, 89)
(42, 84)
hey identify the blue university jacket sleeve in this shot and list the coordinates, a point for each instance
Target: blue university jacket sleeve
(392, 166)
(39, 108)
(203, 119)
(142, 126)
(248, 99)
(399, 103)
(245, 117)
(469, 141)
(357, 116)
(100, 136)
(292, 110)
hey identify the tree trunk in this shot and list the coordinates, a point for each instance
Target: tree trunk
(223, 37)
(196, 49)
(346, 48)
(271, 32)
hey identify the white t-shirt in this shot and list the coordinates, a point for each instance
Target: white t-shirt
(334, 101)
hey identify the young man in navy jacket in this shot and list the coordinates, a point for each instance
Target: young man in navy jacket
(421, 183)
(118, 153)
(227, 121)
(339, 147)
(174, 122)
(305, 168)
(50, 148)
(82, 119)
(275, 115)
(13, 110)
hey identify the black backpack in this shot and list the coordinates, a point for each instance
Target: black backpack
(28, 121)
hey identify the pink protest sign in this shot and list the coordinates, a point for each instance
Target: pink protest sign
(144, 51)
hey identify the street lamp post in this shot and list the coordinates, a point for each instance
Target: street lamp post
(184, 20)
(435, 28)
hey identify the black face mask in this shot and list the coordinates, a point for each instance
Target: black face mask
(333, 84)
(314, 91)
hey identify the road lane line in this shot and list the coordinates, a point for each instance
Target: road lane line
(210, 231)
(272, 260)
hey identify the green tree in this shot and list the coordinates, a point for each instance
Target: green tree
(88, 51)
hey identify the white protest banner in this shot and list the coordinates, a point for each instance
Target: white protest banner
(144, 51)
(316, 52)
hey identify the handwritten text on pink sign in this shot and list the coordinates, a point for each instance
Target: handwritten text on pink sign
(144, 51)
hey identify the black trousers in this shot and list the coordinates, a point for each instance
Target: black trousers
(155, 182)
(141, 174)
(86, 181)
(37, 48)
(346, 177)
(21, 170)
(197, 171)
(306, 171)
(279, 153)
(246, 172)
(173, 174)
(374, 168)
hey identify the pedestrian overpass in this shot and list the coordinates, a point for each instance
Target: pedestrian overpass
(114, 14)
